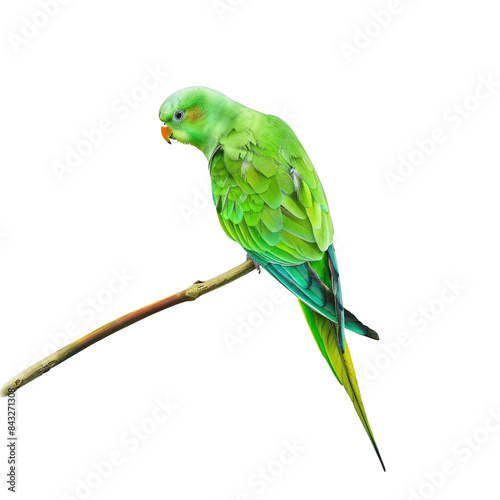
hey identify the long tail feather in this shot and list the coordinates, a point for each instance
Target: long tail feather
(328, 342)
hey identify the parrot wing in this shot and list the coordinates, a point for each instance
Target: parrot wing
(270, 200)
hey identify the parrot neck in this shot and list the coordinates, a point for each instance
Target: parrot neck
(218, 127)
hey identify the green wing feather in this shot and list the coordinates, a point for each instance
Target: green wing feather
(270, 185)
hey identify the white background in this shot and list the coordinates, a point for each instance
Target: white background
(136, 205)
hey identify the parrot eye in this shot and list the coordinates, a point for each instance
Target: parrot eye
(179, 116)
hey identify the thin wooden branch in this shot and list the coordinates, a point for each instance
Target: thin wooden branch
(189, 294)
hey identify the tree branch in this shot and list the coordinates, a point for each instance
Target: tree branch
(189, 294)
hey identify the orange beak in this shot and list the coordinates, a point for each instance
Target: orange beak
(166, 132)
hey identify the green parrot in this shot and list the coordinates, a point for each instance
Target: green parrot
(270, 200)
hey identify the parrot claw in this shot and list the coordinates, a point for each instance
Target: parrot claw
(256, 264)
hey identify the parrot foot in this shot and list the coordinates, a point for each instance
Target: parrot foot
(256, 264)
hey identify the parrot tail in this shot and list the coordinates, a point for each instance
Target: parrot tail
(339, 359)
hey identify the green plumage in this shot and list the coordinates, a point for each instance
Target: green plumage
(282, 208)
(269, 199)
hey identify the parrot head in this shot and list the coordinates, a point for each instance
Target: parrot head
(196, 116)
